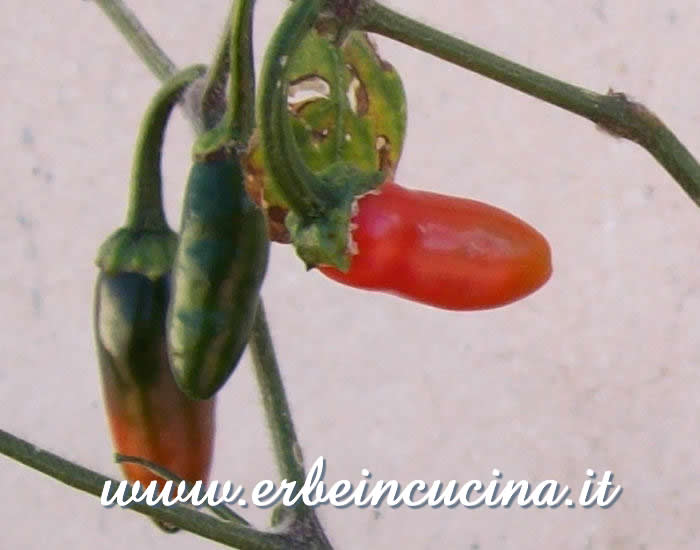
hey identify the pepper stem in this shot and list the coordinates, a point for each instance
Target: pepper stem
(282, 157)
(213, 102)
(238, 121)
(145, 210)
(239, 117)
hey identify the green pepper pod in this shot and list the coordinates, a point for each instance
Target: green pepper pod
(149, 417)
(223, 251)
(219, 268)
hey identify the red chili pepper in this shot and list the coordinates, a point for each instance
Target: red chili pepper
(447, 252)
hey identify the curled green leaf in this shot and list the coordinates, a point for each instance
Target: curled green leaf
(345, 104)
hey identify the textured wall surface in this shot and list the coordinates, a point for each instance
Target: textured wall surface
(599, 369)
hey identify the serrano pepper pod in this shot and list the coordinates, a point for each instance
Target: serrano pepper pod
(219, 268)
(223, 251)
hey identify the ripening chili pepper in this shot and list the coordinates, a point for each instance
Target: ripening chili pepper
(447, 252)
(219, 268)
(148, 415)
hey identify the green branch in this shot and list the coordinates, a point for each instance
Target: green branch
(613, 112)
(91, 482)
(238, 121)
(240, 112)
(290, 461)
(142, 42)
(279, 418)
(221, 509)
(150, 53)
(213, 102)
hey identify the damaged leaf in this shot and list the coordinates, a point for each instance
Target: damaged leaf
(347, 105)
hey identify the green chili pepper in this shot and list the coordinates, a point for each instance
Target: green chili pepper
(149, 416)
(219, 268)
(222, 255)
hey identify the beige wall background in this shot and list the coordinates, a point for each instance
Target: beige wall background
(599, 369)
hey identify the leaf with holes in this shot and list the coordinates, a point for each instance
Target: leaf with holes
(348, 107)
(346, 104)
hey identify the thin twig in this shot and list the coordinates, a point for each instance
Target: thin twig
(214, 94)
(613, 112)
(306, 527)
(240, 113)
(274, 399)
(88, 481)
(221, 510)
(139, 38)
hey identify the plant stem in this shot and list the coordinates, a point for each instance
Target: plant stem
(142, 42)
(231, 134)
(145, 195)
(306, 528)
(274, 400)
(213, 101)
(613, 112)
(240, 111)
(83, 479)
(282, 159)
(220, 509)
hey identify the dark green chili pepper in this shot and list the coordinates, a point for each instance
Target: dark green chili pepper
(219, 268)
(222, 255)
(149, 416)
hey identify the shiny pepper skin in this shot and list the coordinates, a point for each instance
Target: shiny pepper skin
(148, 415)
(219, 268)
(447, 252)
